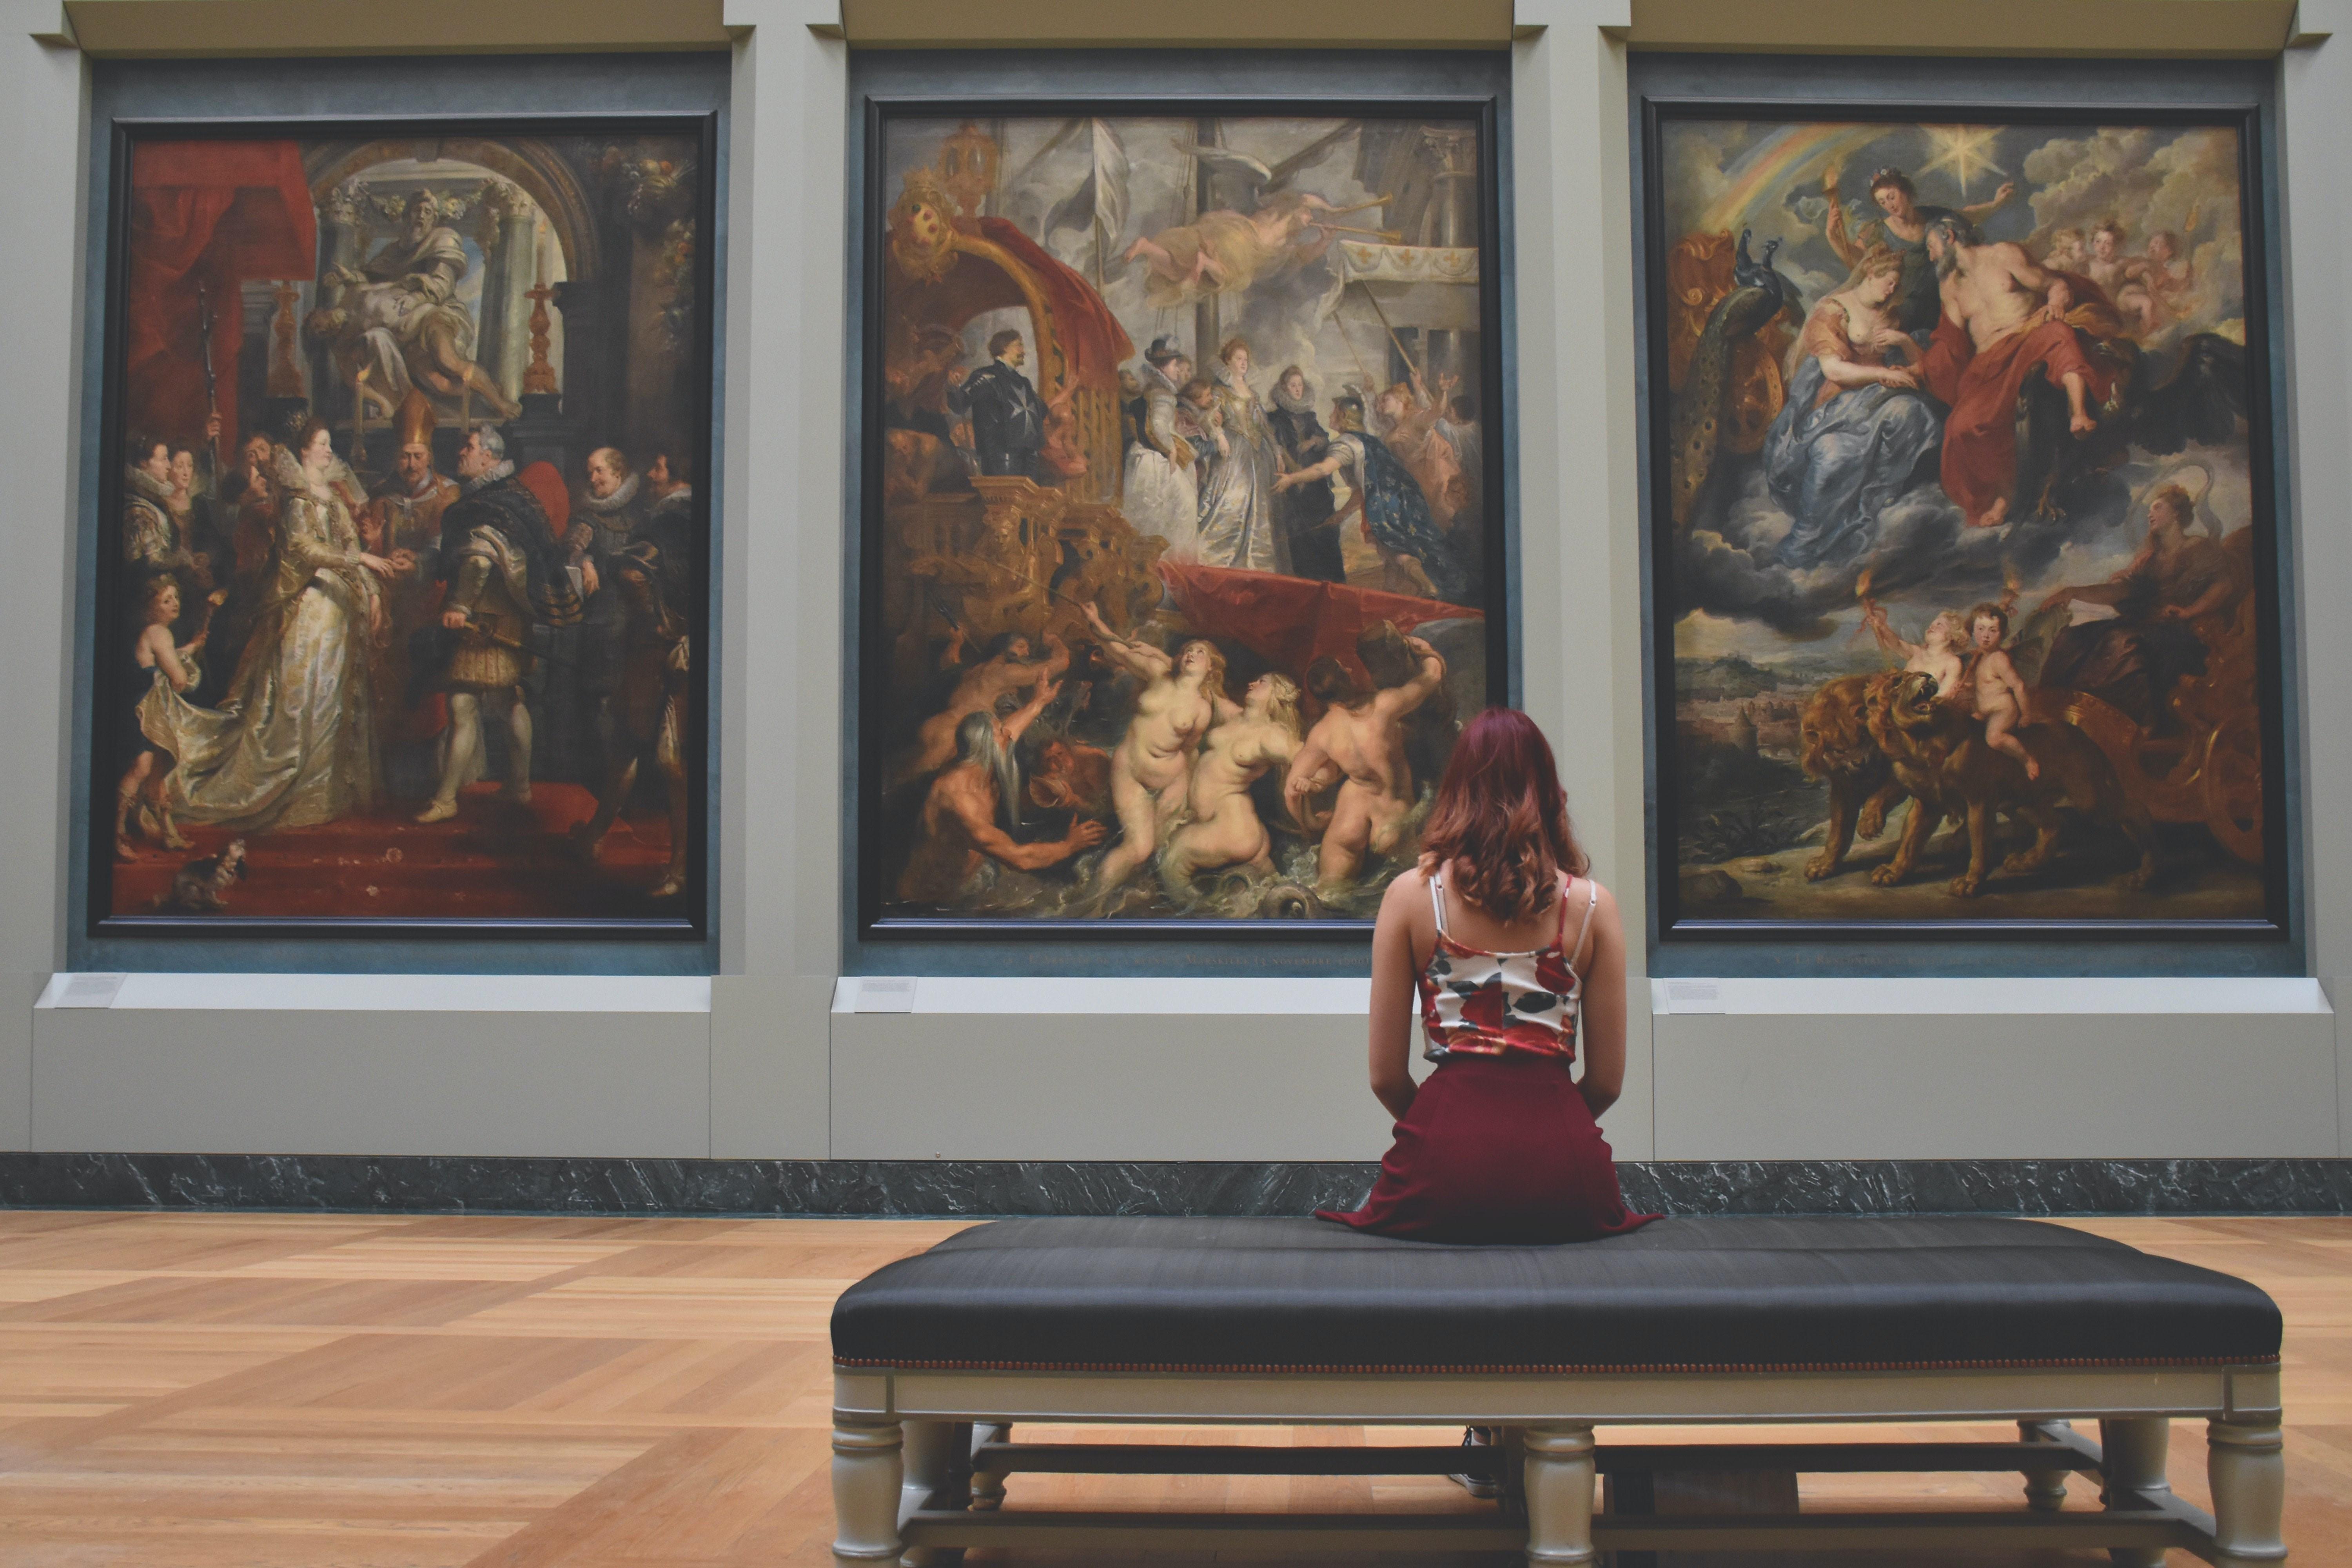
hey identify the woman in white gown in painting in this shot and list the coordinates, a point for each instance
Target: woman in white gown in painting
(1156, 488)
(1237, 526)
(294, 743)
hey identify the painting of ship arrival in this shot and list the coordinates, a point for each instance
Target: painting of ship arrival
(1959, 511)
(1182, 511)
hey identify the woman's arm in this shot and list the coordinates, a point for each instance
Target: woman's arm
(1136, 657)
(1392, 995)
(1604, 1007)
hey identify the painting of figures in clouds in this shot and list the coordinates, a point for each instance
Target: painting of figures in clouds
(1184, 514)
(1960, 513)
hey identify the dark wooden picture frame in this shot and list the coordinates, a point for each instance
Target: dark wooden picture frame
(656, 172)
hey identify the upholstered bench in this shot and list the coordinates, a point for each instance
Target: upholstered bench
(1682, 1323)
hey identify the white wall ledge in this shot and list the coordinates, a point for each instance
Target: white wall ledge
(2130, 995)
(1217, 996)
(393, 993)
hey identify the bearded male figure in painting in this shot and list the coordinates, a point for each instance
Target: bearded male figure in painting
(404, 519)
(1901, 227)
(395, 319)
(669, 524)
(961, 833)
(2006, 317)
(506, 570)
(1008, 417)
(1010, 667)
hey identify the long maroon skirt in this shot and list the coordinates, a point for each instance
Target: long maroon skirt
(1497, 1149)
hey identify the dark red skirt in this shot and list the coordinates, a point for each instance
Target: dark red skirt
(1497, 1149)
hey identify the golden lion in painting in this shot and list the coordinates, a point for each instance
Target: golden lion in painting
(1938, 754)
(1835, 744)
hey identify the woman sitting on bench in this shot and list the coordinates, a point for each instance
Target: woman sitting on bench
(1511, 947)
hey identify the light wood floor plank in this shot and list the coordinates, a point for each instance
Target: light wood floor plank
(188, 1390)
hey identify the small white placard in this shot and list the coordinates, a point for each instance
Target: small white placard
(886, 993)
(90, 989)
(1694, 996)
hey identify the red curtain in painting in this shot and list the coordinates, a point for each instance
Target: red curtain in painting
(215, 212)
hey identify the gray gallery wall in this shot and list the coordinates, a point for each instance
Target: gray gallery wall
(770, 1058)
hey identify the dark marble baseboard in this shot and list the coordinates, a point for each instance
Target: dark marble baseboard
(414, 1184)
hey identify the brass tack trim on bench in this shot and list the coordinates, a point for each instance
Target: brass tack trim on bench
(1563, 1369)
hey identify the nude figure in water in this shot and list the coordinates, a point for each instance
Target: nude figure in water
(1152, 767)
(1224, 828)
(1360, 739)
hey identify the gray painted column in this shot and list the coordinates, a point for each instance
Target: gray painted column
(508, 272)
(2316, 116)
(339, 246)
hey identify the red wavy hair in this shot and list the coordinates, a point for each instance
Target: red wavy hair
(1501, 818)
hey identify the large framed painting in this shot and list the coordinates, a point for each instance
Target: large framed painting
(1183, 504)
(402, 591)
(1962, 521)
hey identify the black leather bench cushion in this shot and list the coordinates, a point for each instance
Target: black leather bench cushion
(1137, 1294)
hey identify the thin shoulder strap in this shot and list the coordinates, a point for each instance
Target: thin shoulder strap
(1437, 897)
(1592, 900)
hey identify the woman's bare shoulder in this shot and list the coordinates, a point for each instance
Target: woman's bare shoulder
(1407, 885)
(1604, 903)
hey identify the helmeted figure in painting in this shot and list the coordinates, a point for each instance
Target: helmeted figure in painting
(1395, 513)
(506, 570)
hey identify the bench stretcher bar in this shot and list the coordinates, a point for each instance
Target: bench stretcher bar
(907, 1477)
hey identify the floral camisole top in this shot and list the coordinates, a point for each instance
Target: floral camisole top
(1487, 1003)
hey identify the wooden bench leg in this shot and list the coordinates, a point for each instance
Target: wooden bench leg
(937, 1463)
(866, 1488)
(1559, 1496)
(2045, 1491)
(988, 1490)
(2131, 1459)
(2247, 1467)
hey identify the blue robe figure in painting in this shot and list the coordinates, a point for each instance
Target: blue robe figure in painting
(1856, 427)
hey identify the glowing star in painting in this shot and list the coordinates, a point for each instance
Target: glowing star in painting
(1962, 150)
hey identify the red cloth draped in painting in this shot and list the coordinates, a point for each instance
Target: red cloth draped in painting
(1979, 465)
(217, 212)
(1098, 346)
(1289, 621)
(1093, 343)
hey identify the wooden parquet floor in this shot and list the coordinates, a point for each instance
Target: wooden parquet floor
(321, 1390)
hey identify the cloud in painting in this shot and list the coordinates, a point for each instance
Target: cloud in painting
(2183, 183)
